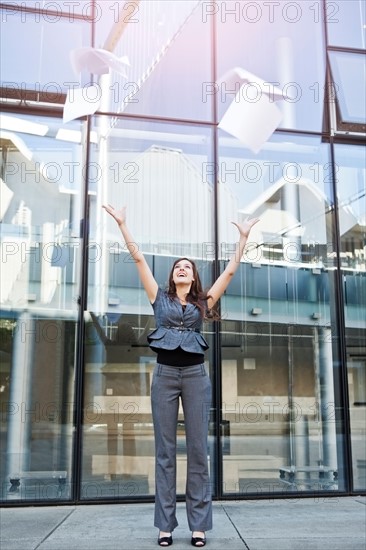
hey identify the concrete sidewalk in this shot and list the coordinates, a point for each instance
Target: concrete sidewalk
(337, 523)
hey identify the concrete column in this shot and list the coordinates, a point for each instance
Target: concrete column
(290, 199)
(326, 394)
(21, 415)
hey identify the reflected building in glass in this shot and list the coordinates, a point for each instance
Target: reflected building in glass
(287, 358)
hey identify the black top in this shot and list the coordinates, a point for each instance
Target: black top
(179, 358)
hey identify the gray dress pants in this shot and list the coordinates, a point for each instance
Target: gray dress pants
(193, 386)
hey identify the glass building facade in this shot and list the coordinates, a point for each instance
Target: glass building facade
(287, 358)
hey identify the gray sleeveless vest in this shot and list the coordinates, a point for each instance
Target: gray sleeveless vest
(175, 326)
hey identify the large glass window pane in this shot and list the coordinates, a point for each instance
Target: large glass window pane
(279, 333)
(156, 171)
(351, 177)
(169, 52)
(346, 23)
(279, 42)
(41, 177)
(41, 59)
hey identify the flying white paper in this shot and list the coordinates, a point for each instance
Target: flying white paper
(97, 61)
(81, 101)
(253, 115)
(241, 76)
(6, 195)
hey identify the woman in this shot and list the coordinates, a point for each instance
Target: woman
(180, 373)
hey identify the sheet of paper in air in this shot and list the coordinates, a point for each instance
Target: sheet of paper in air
(81, 101)
(97, 61)
(6, 195)
(253, 115)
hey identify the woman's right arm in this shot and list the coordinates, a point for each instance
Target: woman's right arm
(147, 278)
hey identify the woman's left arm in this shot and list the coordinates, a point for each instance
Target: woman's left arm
(222, 282)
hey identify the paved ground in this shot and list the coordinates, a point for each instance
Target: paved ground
(337, 523)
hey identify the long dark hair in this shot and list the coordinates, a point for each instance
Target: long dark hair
(196, 296)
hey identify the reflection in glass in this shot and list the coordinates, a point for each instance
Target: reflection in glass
(278, 330)
(346, 23)
(351, 195)
(168, 47)
(40, 246)
(41, 60)
(156, 171)
(349, 77)
(290, 29)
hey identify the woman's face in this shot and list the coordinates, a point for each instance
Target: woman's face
(183, 273)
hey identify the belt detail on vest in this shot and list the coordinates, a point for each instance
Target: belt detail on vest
(183, 328)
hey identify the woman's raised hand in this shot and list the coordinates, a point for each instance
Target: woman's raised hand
(245, 226)
(118, 215)
(144, 271)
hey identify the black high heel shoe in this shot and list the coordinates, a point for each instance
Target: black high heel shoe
(198, 542)
(165, 541)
